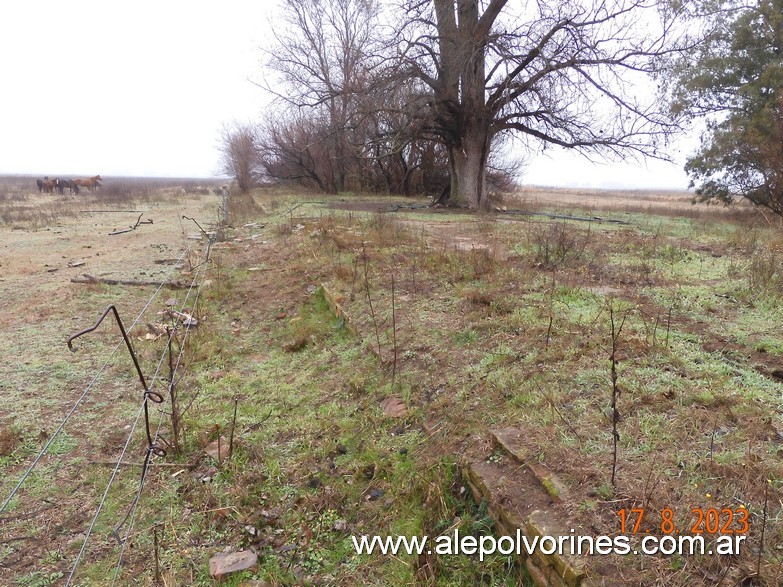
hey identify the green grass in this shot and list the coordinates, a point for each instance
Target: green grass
(293, 458)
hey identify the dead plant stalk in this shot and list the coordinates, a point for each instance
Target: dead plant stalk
(369, 298)
(394, 330)
(175, 407)
(616, 330)
(551, 311)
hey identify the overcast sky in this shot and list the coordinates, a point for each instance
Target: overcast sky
(143, 88)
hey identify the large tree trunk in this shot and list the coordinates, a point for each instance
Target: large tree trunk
(461, 110)
(468, 167)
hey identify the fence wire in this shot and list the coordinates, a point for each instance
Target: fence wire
(143, 409)
(82, 397)
(150, 451)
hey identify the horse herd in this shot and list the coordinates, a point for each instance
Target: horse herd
(50, 186)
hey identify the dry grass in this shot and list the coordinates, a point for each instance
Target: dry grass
(42, 378)
(655, 202)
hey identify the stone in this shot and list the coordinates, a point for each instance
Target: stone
(394, 407)
(223, 564)
(375, 494)
(218, 449)
(508, 440)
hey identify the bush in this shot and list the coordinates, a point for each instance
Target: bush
(558, 244)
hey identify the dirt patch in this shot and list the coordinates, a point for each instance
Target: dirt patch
(8, 441)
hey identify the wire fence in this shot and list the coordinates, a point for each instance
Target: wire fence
(140, 414)
(145, 469)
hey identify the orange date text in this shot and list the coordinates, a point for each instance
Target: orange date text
(702, 521)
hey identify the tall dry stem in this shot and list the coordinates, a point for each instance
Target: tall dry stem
(616, 330)
(369, 298)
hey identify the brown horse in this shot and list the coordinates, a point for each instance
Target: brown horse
(90, 182)
(48, 185)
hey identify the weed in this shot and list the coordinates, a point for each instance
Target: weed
(63, 444)
(765, 273)
(481, 262)
(284, 228)
(672, 254)
(557, 244)
(605, 491)
(39, 579)
(478, 296)
(465, 337)
(384, 228)
(10, 437)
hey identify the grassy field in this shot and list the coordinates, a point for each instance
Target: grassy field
(465, 322)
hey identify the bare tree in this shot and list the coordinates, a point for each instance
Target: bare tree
(294, 148)
(323, 58)
(240, 155)
(350, 114)
(567, 73)
(341, 121)
(398, 154)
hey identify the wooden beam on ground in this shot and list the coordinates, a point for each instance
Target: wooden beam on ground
(87, 278)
